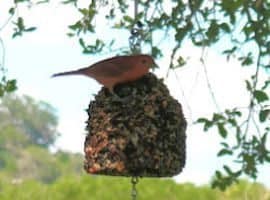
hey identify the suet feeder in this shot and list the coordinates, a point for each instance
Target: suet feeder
(139, 133)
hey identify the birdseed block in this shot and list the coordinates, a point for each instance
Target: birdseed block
(138, 131)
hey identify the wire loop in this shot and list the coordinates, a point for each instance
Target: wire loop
(136, 32)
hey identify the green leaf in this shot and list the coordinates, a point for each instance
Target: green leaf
(70, 34)
(225, 27)
(263, 139)
(227, 169)
(20, 28)
(20, 23)
(202, 120)
(181, 61)
(246, 60)
(223, 152)
(20, 1)
(84, 11)
(232, 121)
(206, 122)
(264, 114)
(7, 87)
(70, 1)
(248, 85)
(222, 131)
(237, 173)
(218, 117)
(248, 29)
(11, 85)
(111, 14)
(234, 112)
(15, 34)
(266, 84)
(218, 174)
(99, 45)
(213, 31)
(260, 96)
(230, 51)
(224, 144)
(267, 66)
(75, 26)
(11, 11)
(156, 52)
(1, 90)
(30, 29)
(128, 19)
(180, 34)
(42, 1)
(81, 41)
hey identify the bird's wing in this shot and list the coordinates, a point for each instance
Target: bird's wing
(111, 67)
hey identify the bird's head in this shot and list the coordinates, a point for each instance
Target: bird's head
(147, 61)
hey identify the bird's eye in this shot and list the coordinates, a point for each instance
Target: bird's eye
(144, 61)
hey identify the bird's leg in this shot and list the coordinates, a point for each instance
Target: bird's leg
(116, 97)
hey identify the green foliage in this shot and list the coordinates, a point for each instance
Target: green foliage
(248, 151)
(242, 24)
(28, 171)
(10, 141)
(24, 126)
(96, 187)
(20, 159)
(7, 86)
(37, 120)
(68, 162)
(260, 96)
(264, 114)
(20, 28)
(37, 163)
(96, 47)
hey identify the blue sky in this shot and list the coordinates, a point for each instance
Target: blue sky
(33, 58)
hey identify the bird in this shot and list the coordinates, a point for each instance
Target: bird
(115, 70)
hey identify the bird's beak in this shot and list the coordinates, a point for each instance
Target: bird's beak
(154, 66)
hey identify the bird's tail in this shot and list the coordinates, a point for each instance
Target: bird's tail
(76, 72)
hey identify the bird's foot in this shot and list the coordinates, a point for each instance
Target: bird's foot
(117, 98)
(123, 100)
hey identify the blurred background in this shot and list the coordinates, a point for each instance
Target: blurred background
(212, 57)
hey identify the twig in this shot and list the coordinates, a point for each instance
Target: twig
(6, 22)
(2, 62)
(256, 75)
(183, 94)
(172, 57)
(209, 84)
(205, 68)
(256, 126)
(255, 81)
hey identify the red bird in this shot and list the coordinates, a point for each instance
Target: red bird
(119, 69)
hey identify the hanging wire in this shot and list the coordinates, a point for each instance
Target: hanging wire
(136, 32)
(135, 46)
(134, 182)
(135, 9)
